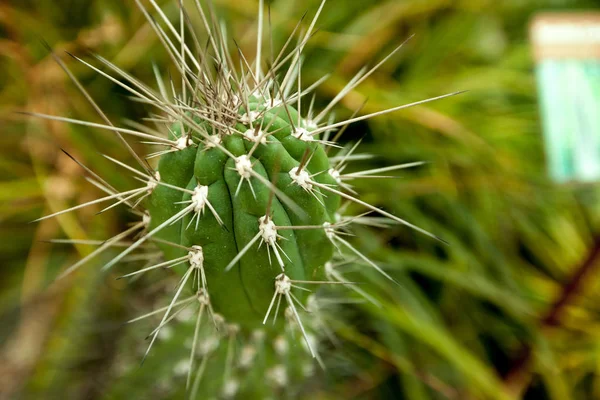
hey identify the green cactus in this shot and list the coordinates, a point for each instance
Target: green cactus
(231, 209)
(244, 203)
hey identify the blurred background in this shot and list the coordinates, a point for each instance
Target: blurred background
(481, 318)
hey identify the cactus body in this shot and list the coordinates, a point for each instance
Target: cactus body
(243, 293)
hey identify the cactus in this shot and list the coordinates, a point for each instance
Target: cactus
(242, 199)
(246, 193)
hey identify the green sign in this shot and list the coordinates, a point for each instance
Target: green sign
(567, 50)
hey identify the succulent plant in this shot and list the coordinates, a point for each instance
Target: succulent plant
(242, 199)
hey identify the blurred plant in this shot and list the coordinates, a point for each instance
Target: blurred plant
(464, 312)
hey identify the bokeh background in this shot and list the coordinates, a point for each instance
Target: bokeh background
(469, 320)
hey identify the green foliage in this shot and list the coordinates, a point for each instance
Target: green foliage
(461, 313)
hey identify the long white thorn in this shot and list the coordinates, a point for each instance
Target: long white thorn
(275, 295)
(181, 286)
(89, 242)
(291, 304)
(98, 110)
(105, 245)
(259, 37)
(241, 253)
(122, 164)
(166, 322)
(171, 220)
(101, 126)
(165, 264)
(194, 344)
(364, 258)
(112, 79)
(124, 200)
(179, 38)
(159, 82)
(360, 174)
(159, 310)
(338, 277)
(383, 112)
(377, 210)
(280, 195)
(199, 374)
(307, 35)
(89, 203)
(359, 81)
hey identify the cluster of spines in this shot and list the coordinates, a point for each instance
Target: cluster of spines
(215, 100)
